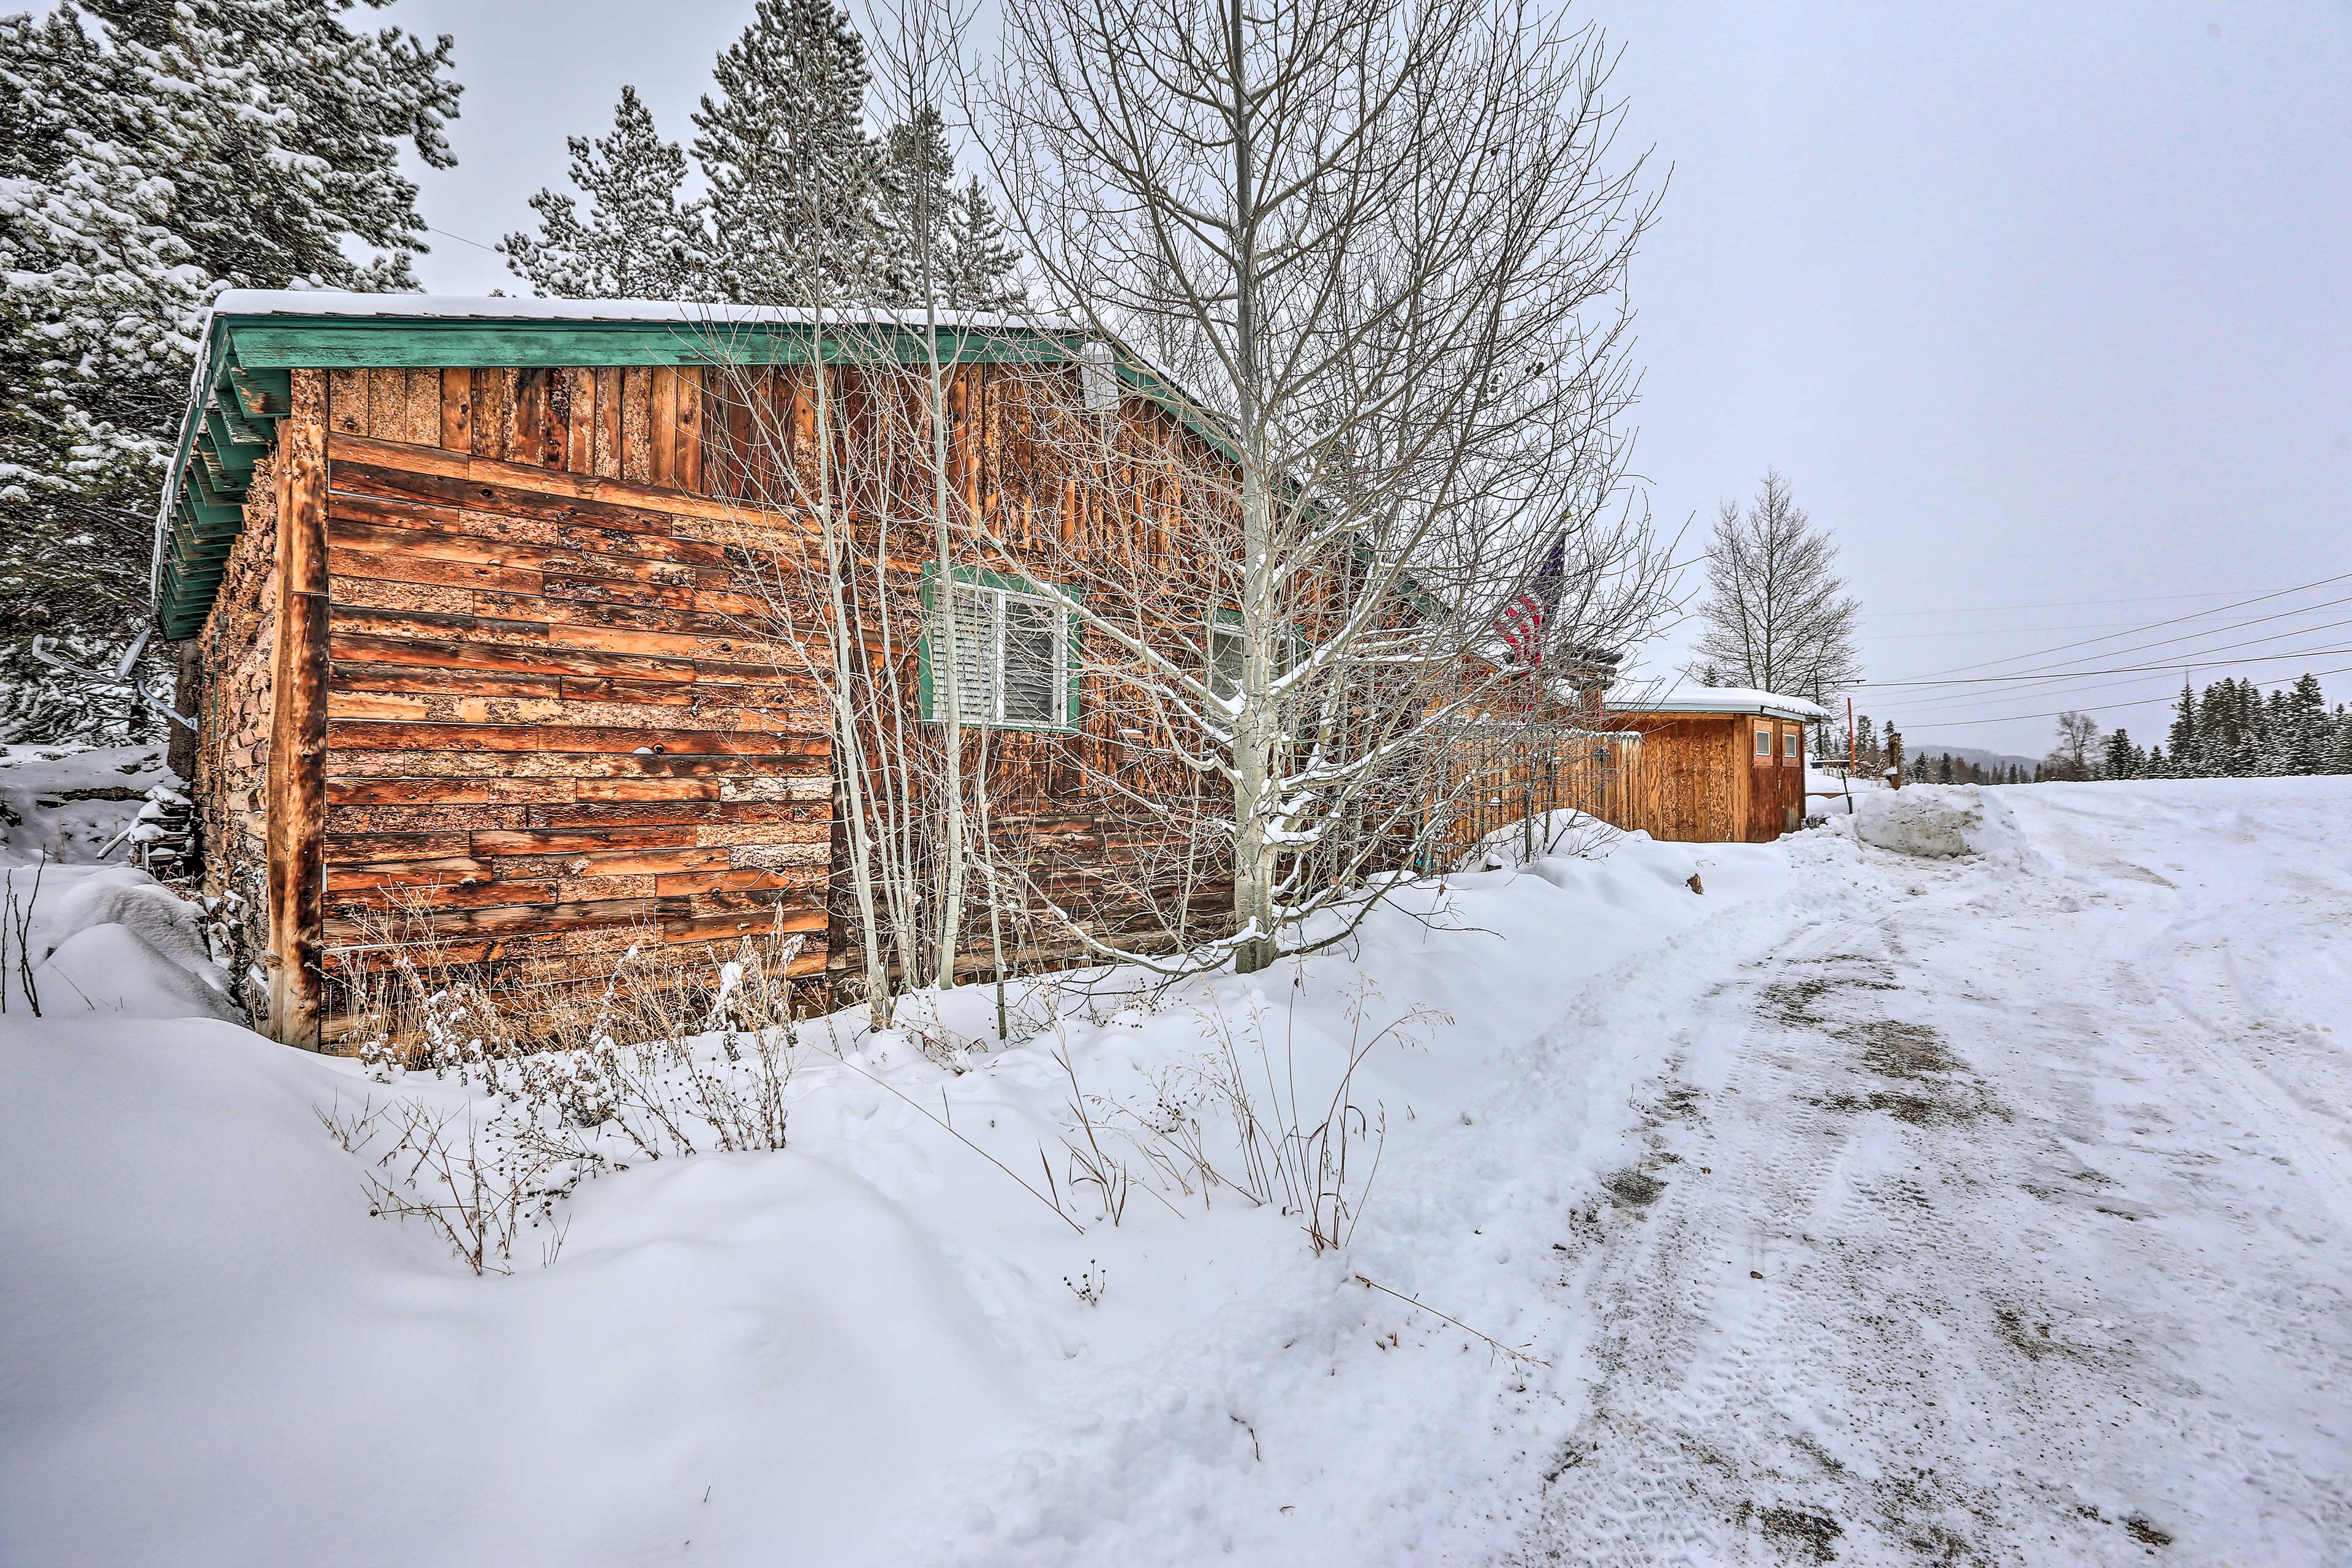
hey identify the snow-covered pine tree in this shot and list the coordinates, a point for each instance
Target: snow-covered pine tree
(2301, 735)
(2123, 760)
(641, 240)
(795, 210)
(973, 264)
(155, 151)
(984, 266)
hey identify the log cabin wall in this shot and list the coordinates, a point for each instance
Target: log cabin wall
(232, 739)
(553, 725)
(563, 706)
(562, 692)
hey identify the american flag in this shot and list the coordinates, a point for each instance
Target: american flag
(1522, 620)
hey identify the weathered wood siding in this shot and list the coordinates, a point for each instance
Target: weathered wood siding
(565, 705)
(1693, 781)
(1776, 793)
(1516, 774)
(232, 740)
(1702, 782)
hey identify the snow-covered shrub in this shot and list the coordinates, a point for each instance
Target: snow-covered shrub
(1566, 834)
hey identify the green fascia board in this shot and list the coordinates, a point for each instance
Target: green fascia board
(204, 491)
(234, 457)
(393, 342)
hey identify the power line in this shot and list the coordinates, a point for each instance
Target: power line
(461, 240)
(1929, 707)
(1996, 631)
(2046, 604)
(2094, 708)
(2066, 668)
(2180, 663)
(2153, 626)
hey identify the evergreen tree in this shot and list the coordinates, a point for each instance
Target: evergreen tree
(2183, 737)
(154, 152)
(2304, 737)
(2121, 759)
(642, 239)
(983, 263)
(796, 181)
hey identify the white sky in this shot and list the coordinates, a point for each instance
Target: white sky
(2045, 309)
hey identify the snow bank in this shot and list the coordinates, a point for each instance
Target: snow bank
(874, 1345)
(1936, 821)
(66, 803)
(103, 937)
(110, 939)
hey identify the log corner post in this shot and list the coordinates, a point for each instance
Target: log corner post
(297, 801)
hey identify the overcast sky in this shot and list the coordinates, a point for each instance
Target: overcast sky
(2046, 310)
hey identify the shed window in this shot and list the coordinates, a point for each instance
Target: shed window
(1764, 742)
(1012, 659)
(1792, 745)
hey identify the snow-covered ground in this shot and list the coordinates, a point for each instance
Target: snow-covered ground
(1873, 1205)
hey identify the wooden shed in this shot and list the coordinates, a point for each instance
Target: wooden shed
(474, 621)
(1718, 765)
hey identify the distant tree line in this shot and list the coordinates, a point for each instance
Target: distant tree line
(1946, 768)
(2236, 729)
(2232, 730)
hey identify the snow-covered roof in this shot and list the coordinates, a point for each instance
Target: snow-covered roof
(1712, 700)
(683, 312)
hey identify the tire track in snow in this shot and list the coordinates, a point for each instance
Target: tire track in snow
(1638, 1469)
(1968, 1346)
(2274, 1116)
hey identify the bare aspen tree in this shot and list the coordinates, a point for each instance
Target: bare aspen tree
(919, 61)
(1374, 252)
(1777, 616)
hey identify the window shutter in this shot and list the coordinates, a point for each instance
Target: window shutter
(1032, 683)
(976, 659)
(1226, 651)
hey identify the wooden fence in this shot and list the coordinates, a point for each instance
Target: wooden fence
(1506, 775)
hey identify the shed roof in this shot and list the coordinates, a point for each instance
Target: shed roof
(254, 339)
(1725, 699)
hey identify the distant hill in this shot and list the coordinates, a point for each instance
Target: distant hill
(1915, 746)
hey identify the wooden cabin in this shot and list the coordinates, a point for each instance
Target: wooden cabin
(1717, 766)
(489, 614)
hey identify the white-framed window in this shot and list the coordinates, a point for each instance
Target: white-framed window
(1227, 653)
(1792, 745)
(1764, 743)
(1228, 650)
(1012, 659)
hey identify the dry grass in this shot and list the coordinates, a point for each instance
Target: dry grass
(672, 1052)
